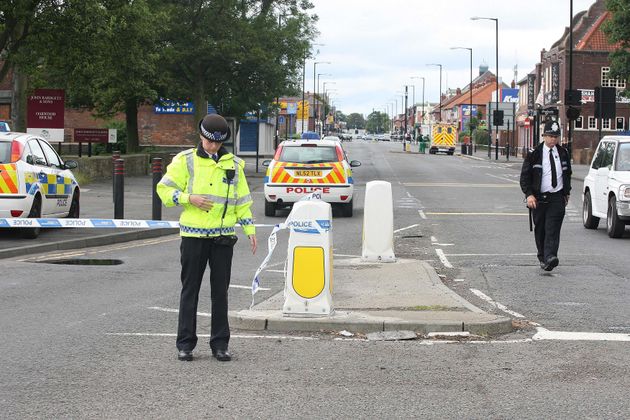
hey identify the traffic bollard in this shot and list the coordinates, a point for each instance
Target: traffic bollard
(115, 156)
(119, 189)
(496, 149)
(156, 168)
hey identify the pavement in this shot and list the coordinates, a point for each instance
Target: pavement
(412, 299)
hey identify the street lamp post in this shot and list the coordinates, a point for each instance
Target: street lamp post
(470, 90)
(440, 66)
(422, 113)
(304, 83)
(496, 111)
(317, 109)
(315, 86)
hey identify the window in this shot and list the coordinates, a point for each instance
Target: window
(600, 156)
(607, 82)
(610, 153)
(592, 123)
(619, 124)
(51, 155)
(623, 157)
(579, 123)
(36, 150)
(606, 124)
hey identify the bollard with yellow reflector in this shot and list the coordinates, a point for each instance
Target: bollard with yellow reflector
(308, 282)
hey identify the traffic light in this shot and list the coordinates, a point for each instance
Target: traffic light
(497, 117)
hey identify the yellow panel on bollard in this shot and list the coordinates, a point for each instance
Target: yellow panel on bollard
(308, 285)
(378, 223)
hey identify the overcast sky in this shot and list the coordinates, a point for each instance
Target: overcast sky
(376, 47)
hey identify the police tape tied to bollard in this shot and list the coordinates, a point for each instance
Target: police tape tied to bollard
(302, 226)
(91, 223)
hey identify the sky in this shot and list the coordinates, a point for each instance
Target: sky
(375, 48)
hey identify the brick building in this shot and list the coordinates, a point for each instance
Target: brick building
(591, 66)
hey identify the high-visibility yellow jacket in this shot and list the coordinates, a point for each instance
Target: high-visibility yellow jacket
(193, 172)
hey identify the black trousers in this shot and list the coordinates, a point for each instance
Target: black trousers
(195, 254)
(548, 216)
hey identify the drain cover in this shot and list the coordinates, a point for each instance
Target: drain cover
(83, 261)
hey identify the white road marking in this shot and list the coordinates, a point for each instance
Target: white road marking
(275, 271)
(497, 305)
(475, 214)
(275, 337)
(504, 179)
(545, 334)
(443, 258)
(422, 215)
(459, 280)
(492, 255)
(238, 286)
(347, 255)
(176, 311)
(405, 228)
(439, 244)
(433, 239)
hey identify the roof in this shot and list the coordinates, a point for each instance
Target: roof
(307, 141)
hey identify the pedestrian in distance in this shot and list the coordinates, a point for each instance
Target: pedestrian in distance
(209, 184)
(546, 183)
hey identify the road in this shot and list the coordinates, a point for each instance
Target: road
(98, 340)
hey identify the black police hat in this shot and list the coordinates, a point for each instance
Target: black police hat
(214, 127)
(552, 128)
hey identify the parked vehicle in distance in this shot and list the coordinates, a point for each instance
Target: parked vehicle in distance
(34, 181)
(333, 138)
(443, 138)
(606, 191)
(302, 167)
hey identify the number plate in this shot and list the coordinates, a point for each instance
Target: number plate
(308, 173)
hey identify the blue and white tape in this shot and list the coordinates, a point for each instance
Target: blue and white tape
(91, 223)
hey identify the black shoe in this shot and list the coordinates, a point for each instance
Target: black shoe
(185, 355)
(222, 355)
(551, 263)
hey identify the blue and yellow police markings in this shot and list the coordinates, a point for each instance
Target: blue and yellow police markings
(55, 185)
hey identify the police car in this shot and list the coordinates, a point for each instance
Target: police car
(606, 193)
(302, 167)
(34, 181)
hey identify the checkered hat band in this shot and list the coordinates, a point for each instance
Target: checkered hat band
(216, 136)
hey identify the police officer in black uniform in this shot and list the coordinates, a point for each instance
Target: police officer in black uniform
(546, 182)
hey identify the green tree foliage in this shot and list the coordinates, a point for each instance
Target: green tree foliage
(377, 122)
(235, 54)
(355, 120)
(618, 31)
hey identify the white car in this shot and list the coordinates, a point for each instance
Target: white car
(302, 167)
(606, 193)
(34, 181)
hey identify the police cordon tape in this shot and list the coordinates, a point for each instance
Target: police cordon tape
(91, 223)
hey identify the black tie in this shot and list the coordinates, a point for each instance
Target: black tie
(554, 175)
(216, 158)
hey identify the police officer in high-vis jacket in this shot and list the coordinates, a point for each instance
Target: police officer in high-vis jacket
(546, 183)
(209, 184)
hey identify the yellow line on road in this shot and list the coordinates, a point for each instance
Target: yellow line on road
(457, 185)
(474, 214)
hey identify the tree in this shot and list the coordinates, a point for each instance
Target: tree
(618, 31)
(355, 120)
(377, 122)
(237, 55)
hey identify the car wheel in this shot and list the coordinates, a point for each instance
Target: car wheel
(35, 213)
(270, 208)
(614, 226)
(590, 221)
(74, 206)
(346, 209)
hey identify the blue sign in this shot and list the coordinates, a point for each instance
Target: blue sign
(292, 108)
(281, 119)
(166, 106)
(211, 109)
(466, 110)
(509, 95)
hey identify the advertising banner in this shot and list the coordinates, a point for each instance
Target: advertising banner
(531, 91)
(166, 106)
(45, 114)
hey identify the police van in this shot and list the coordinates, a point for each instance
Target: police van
(34, 181)
(302, 167)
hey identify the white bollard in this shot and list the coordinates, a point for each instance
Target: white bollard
(378, 223)
(308, 285)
